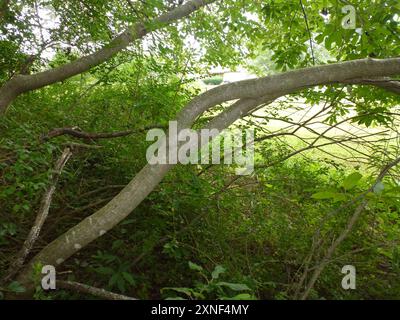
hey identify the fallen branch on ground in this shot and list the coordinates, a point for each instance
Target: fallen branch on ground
(84, 288)
(40, 218)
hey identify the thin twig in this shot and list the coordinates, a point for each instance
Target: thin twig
(308, 30)
(40, 218)
(353, 219)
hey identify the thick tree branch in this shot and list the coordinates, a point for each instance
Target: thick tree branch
(383, 83)
(251, 93)
(292, 81)
(23, 83)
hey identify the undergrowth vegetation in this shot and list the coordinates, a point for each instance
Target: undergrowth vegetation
(204, 232)
(195, 236)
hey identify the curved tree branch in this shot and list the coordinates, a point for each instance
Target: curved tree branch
(24, 83)
(383, 83)
(251, 93)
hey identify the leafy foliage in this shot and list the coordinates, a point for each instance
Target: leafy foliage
(202, 234)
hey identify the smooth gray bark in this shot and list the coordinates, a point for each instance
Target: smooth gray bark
(251, 93)
(24, 83)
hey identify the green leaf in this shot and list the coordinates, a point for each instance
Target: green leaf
(217, 271)
(234, 286)
(16, 287)
(195, 267)
(121, 284)
(129, 278)
(186, 291)
(242, 296)
(104, 270)
(323, 195)
(339, 197)
(113, 280)
(351, 181)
